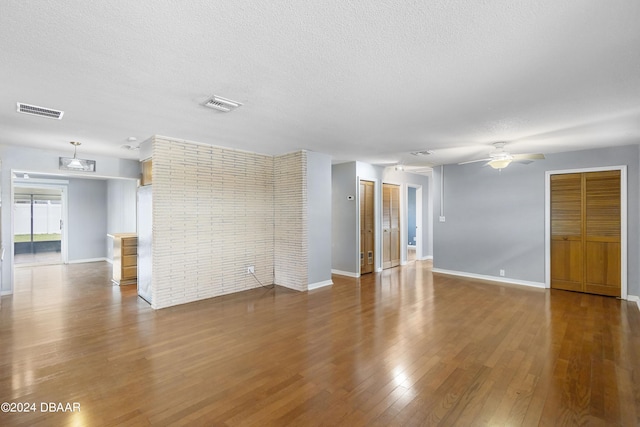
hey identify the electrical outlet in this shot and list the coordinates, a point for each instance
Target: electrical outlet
(442, 219)
(501, 273)
(251, 269)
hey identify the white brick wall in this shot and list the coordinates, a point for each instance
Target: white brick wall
(212, 218)
(216, 211)
(290, 200)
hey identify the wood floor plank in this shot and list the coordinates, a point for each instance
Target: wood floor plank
(398, 348)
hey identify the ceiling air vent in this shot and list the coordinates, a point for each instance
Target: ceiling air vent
(221, 104)
(39, 111)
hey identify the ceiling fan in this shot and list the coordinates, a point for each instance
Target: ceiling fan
(500, 159)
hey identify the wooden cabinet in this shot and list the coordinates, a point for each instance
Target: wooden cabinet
(125, 259)
(147, 178)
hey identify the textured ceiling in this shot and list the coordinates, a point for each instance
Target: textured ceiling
(356, 79)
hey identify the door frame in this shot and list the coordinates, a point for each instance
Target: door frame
(405, 229)
(58, 184)
(377, 223)
(623, 221)
(402, 194)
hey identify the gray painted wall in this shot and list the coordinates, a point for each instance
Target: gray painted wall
(319, 217)
(495, 220)
(87, 226)
(344, 226)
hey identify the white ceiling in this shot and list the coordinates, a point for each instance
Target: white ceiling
(356, 79)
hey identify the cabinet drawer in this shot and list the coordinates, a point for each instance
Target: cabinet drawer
(129, 272)
(129, 261)
(130, 250)
(129, 241)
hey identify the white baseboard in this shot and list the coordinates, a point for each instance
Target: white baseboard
(3, 293)
(110, 261)
(426, 258)
(379, 270)
(344, 273)
(81, 261)
(634, 298)
(491, 278)
(319, 285)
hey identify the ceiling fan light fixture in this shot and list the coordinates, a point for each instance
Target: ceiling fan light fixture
(499, 163)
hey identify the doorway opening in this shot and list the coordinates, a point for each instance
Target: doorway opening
(39, 212)
(411, 224)
(37, 232)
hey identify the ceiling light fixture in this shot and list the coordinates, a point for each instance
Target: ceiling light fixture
(76, 164)
(500, 163)
(399, 168)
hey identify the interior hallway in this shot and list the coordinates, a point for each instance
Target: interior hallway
(402, 347)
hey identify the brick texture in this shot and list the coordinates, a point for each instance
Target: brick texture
(217, 211)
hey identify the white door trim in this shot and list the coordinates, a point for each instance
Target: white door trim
(623, 221)
(58, 184)
(405, 230)
(377, 265)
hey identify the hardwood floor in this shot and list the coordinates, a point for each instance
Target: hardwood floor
(402, 347)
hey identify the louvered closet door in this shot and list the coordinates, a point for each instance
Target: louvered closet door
(602, 233)
(585, 232)
(390, 225)
(566, 232)
(367, 237)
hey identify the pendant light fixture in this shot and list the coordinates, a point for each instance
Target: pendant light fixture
(76, 164)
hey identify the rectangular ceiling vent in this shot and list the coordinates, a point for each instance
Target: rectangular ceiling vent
(39, 111)
(221, 104)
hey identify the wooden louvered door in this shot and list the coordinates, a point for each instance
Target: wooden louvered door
(602, 233)
(390, 225)
(367, 224)
(585, 232)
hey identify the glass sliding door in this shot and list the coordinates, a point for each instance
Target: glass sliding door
(37, 226)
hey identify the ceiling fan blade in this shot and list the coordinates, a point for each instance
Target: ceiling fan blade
(474, 161)
(536, 156)
(522, 161)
